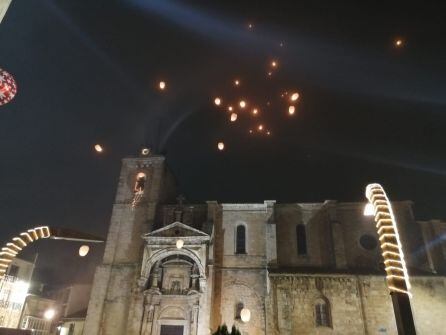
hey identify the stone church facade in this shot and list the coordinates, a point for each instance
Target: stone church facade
(299, 268)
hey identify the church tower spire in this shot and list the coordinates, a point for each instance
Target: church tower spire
(144, 183)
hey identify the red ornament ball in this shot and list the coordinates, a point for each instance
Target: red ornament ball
(8, 87)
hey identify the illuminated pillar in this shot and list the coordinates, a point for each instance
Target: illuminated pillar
(396, 272)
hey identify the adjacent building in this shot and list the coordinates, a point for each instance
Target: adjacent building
(171, 268)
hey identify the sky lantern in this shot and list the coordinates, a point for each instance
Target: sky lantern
(260, 127)
(255, 111)
(217, 101)
(274, 63)
(83, 250)
(220, 146)
(230, 108)
(98, 148)
(8, 87)
(242, 103)
(236, 82)
(233, 117)
(162, 85)
(291, 110)
(294, 96)
(399, 42)
(268, 133)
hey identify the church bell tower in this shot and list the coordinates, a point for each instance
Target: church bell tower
(144, 184)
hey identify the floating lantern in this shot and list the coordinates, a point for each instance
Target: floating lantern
(242, 104)
(399, 42)
(255, 111)
(98, 148)
(180, 243)
(220, 146)
(83, 250)
(8, 87)
(260, 127)
(233, 117)
(369, 210)
(245, 315)
(217, 101)
(291, 110)
(230, 108)
(294, 96)
(236, 82)
(162, 85)
(274, 63)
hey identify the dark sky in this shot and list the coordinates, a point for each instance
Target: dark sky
(87, 73)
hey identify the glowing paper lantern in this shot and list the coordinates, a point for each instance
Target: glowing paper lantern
(180, 244)
(245, 315)
(162, 85)
(291, 110)
(274, 63)
(98, 148)
(369, 210)
(260, 127)
(83, 250)
(220, 146)
(255, 111)
(268, 133)
(294, 96)
(8, 87)
(217, 101)
(242, 103)
(233, 117)
(230, 108)
(399, 42)
(236, 82)
(49, 314)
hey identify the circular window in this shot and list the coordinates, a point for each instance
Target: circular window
(368, 242)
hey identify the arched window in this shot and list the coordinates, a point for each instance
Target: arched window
(240, 241)
(322, 313)
(301, 239)
(238, 310)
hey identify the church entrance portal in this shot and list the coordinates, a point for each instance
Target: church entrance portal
(171, 330)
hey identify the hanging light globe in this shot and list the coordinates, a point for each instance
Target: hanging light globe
(180, 243)
(245, 315)
(83, 250)
(369, 210)
(8, 87)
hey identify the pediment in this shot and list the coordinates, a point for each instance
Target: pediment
(175, 230)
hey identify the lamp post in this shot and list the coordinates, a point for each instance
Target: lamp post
(397, 277)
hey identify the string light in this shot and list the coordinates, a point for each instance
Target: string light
(392, 251)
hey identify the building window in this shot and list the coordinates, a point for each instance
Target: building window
(238, 310)
(301, 239)
(322, 313)
(240, 241)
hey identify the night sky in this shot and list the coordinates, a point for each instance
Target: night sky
(88, 72)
